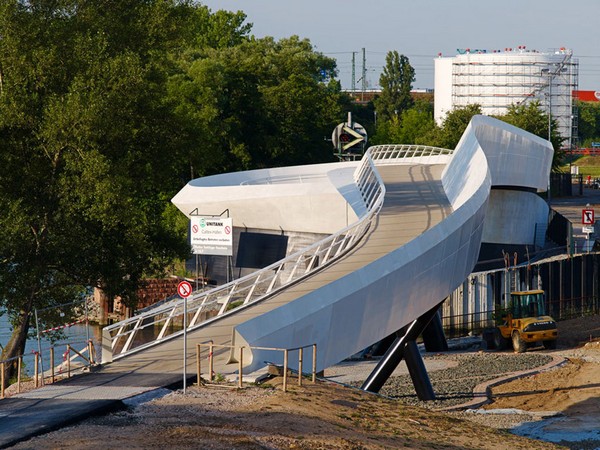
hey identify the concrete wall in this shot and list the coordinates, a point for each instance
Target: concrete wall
(320, 198)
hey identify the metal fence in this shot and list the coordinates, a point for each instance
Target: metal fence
(571, 285)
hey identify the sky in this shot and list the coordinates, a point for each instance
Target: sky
(421, 29)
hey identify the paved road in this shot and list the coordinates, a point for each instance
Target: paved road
(571, 207)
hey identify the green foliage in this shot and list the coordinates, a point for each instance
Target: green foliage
(261, 103)
(234, 304)
(409, 128)
(589, 123)
(396, 83)
(454, 125)
(87, 158)
(588, 165)
(106, 110)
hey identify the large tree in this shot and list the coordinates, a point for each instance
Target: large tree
(261, 103)
(453, 126)
(409, 128)
(104, 110)
(88, 149)
(396, 83)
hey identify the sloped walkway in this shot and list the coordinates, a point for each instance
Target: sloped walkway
(415, 201)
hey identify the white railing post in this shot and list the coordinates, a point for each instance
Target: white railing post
(131, 336)
(166, 324)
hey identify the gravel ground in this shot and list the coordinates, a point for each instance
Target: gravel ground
(454, 385)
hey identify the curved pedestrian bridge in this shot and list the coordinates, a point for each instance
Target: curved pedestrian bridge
(403, 227)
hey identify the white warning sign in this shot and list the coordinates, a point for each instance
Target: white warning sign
(211, 236)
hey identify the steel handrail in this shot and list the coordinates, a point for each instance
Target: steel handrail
(281, 179)
(120, 339)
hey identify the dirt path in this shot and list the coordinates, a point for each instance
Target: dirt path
(572, 389)
(321, 416)
(570, 392)
(330, 416)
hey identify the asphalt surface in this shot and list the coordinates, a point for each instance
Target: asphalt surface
(74, 399)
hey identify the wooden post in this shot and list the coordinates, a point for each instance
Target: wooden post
(19, 364)
(240, 367)
(68, 361)
(35, 368)
(285, 367)
(52, 364)
(314, 366)
(2, 368)
(300, 351)
(198, 374)
(91, 352)
(210, 362)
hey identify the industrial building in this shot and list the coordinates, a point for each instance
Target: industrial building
(497, 79)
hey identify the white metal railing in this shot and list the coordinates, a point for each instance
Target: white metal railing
(166, 321)
(281, 179)
(393, 152)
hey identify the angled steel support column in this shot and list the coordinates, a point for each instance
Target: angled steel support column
(433, 334)
(396, 352)
(418, 372)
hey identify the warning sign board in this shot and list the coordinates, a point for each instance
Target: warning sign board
(587, 217)
(211, 236)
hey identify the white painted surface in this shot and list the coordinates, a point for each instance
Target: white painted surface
(512, 217)
(320, 198)
(496, 81)
(442, 89)
(373, 301)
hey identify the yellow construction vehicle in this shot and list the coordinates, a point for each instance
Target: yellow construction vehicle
(524, 322)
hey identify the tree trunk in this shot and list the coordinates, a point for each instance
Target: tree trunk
(16, 344)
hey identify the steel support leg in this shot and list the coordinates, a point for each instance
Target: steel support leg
(396, 352)
(433, 334)
(418, 372)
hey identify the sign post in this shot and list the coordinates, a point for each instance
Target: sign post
(184, 289)
(588, 220)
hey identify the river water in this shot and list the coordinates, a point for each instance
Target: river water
(75, 335)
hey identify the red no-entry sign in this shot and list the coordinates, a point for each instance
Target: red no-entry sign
(184, 289)
(587, 217)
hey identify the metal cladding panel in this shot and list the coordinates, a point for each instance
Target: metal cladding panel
(513, 216)
(380, 298)
(368, 305)
(320, 198)
(515, 157)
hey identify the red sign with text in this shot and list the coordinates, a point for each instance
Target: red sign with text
(587, 216)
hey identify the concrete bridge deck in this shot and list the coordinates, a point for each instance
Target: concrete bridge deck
(414, 202)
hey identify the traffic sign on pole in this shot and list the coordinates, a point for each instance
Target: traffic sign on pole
(184, 289)
(587, 217)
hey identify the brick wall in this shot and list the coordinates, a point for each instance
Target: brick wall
(155, 290)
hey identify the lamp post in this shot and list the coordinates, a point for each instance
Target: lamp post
(548, 72)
